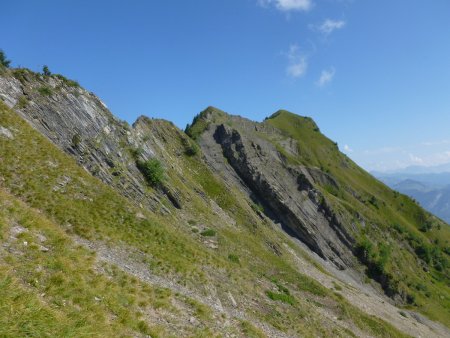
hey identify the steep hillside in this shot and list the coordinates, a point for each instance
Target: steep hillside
(431, 191)
(339, 211)
(161, 242)
(437, 201)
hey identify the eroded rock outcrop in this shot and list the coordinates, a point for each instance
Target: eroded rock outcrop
(287, 192)
(78, 122)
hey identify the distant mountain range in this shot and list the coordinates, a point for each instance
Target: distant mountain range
(430, 186)
(418, 169)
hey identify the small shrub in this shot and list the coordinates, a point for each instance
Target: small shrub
(68, 82)
(22, 102)
(76, 140)
(190, 147)
(424, 252)
(152, 170)
(411, 299)
(20, 74)
(399, 228)
(234, 258)
(45, 91)
(136, 153)
(250, 331)
(282, 297)
(143, 327)
(208, 233)
(373, 200)
(425, 226)
(191, 150)
(46, 71)
(3, 60)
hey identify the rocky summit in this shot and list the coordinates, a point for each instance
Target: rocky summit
(230, 228)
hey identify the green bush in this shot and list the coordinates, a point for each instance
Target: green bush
(152, 170)
(76, 140)
(45, 91)
(234, 258)
(22, 102)
(191, 150)
(46, 71)
(136, 153)
(190, 147)
(208, 233)
(282, 297)
(68, 82)
(3, 60)
(20, 74)
(376, 259)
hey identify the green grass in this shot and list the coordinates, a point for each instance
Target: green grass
(152, 170)
(45, 91)
(381, 208)
(234, 258)
(208, 233)
(250, 331)
(58, 293)
(66, 81)
(65, 200)
(282, 297)
(353, 194)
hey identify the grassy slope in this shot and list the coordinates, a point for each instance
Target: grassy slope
(392, 240)
(59, 292)
(246, 247)
(58, 198)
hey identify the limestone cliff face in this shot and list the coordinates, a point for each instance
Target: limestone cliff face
(287, 192)
(80, 123)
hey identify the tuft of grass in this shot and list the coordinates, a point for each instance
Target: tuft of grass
(45, 91)
(233, 258)
(208, 233)
(282, 297)
(67, 82)
(22, 102)
(251, 331)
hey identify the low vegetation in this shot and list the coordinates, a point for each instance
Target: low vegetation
(45, 91)
(49, 195)
(152, 170)
(4, 62)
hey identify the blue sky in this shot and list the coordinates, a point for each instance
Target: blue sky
(375, 75)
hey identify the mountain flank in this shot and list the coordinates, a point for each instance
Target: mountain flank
(430, 190)
(231, 228)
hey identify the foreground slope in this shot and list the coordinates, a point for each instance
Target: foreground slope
(193, 256)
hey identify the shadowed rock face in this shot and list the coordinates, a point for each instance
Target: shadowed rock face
(287, 192)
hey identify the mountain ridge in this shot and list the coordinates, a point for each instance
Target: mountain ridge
(213, 194)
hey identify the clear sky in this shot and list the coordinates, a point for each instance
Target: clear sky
(375, 75)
